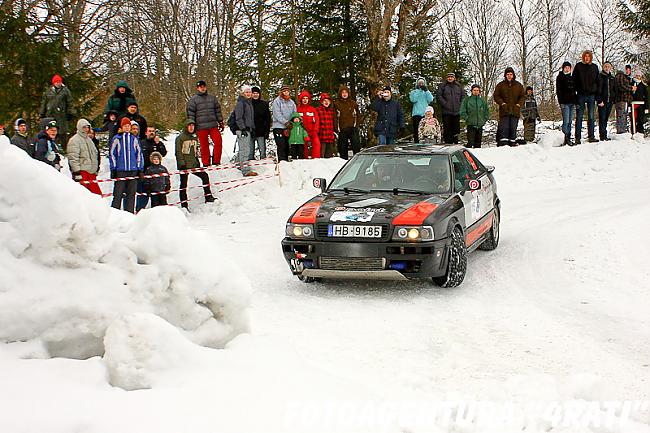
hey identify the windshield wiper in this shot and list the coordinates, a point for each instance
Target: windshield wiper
(349, 190)
(396, 191)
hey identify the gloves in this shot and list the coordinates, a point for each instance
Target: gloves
(140, 175)
(424, 88)
(243, 133)
(221, 126)
(97, 129)
(285, 132)
(77, 176)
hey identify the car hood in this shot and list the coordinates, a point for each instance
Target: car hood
(367, 208)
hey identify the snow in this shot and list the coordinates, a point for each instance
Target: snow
(549, 332)
(71, 265)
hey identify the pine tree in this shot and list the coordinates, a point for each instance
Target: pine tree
(635, 15)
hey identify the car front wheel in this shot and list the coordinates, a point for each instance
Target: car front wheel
(456, 263)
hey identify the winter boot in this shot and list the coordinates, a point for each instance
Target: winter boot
(592, 140)
(209, 199)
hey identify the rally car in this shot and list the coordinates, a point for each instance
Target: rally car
(396, 212)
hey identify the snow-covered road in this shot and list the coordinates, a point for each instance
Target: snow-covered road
(559, 312)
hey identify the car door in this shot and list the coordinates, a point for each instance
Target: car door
(471, 202)
(483, 198)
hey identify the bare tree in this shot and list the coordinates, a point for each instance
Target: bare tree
(486, 41)
(524, 13)
(556, 28)
(606, 31)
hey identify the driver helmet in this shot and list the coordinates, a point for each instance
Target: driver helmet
(384, 169)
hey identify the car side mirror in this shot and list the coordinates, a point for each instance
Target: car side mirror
(489, 168)
(321, 183)
(472, 184)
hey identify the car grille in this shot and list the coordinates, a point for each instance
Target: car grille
(352, 263)
(321, 233)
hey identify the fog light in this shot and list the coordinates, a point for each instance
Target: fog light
(306, 231)
(397, 266)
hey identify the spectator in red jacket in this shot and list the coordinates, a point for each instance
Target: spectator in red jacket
(326, 116)
(311, 123)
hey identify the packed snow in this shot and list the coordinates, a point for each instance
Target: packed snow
(550, 332)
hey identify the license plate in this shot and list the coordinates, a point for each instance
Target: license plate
(353, 231)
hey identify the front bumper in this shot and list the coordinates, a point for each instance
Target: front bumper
(366, 260)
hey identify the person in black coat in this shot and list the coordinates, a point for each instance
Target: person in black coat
(390, 116)
(151, 144)
(605, 99)
(566, 97)
(157, 187)
(262, 118)
(133, 114)
(640, 94)
(585, 79)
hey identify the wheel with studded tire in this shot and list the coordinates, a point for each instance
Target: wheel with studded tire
(492, 240)
(305, 279)
(456, 262)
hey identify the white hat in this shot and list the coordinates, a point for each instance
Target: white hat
(429, 109)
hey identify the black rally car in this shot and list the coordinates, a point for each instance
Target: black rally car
(396, 212)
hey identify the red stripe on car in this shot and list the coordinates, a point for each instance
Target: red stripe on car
(479, 231)
(415, 215)
(307, 213)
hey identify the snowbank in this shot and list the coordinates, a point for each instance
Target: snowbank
(71, 265)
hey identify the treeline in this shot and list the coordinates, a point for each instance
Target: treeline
(161, 47)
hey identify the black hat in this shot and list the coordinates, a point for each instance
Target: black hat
(131, 103)
(529, 88)
(628, 66)
(51, 124)
(256, 89)
(388, 88)
(20, 121)
(201, 83)
(475, 86)
(565, 64)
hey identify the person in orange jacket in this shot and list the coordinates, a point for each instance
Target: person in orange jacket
(311, 122)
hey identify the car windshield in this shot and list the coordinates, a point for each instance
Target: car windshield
(401, 173)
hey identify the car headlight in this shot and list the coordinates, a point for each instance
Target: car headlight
(413, 233)
(300, 231)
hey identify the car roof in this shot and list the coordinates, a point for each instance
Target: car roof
(413, 148)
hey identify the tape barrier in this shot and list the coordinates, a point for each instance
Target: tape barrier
(229, 166)
(242, 183)
(246, 180)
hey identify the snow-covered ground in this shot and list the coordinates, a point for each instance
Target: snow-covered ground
(550, 332)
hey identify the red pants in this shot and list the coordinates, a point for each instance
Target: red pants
(92, 187)
(205, 147)
(315, 147)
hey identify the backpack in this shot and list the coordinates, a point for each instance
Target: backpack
(232, 124)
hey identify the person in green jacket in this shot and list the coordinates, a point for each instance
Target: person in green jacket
(187, 144)
(57, 104)
(474, 111)
(298, 137)
(120, 100)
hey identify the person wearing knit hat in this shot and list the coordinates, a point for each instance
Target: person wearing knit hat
(530, 115)
(135, 128)
(157, 187)
(605, 99)
(125, 160)
(450, 95)
(282, 108)
(57, 103)
(326, 118)
(509, 95)
(348, 120)
(119, 100)
(429, 128)
(566, 97)
(475, 112)
(21, 138)
(262, 119)
(245, 124)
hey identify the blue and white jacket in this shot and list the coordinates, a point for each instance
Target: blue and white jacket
(126, 153)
